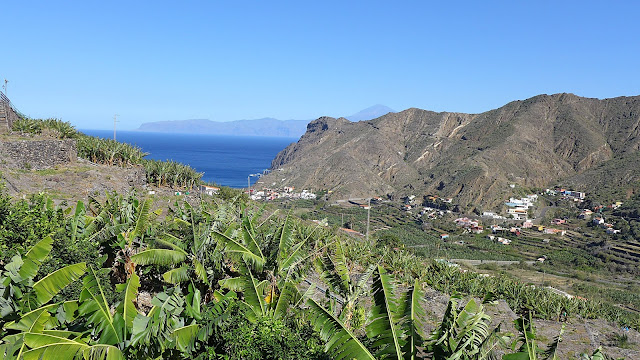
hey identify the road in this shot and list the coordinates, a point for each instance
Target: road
(497, 262)
(541, 211)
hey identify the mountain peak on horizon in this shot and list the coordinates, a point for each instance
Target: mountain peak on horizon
(266, 126)
(371, 112)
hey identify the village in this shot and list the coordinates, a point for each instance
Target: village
(519, 216)
(288, 192)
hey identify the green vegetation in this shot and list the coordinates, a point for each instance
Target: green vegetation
(113, 153)
(171, 173)
(224, 279)
(52, 127)
(109, 151)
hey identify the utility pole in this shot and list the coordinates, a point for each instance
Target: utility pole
(114, 125)
(249, 182)
(368, 213)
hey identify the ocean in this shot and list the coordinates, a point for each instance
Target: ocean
(224, 160)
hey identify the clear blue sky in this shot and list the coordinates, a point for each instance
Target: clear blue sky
(85, 61)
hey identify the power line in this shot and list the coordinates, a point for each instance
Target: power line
(114, 125)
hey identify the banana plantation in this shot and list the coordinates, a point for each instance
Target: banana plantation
(113, 153)
(124, 278)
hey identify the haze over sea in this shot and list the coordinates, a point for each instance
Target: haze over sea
(224, 160)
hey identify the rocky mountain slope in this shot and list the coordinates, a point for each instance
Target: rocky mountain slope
(470, 157)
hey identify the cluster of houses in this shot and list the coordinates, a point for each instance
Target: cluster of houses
(410, 202)
(576, 196)
(614, 206)
(501, 240)
(492, 215)
(265, 194)
(528, 224)
(432, 213)
(500, 229)
(287, 192)
(599, 221)
(432, 202)
(471, 225)
(518, 209)
(585, 214)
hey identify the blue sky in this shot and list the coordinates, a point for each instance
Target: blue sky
(85, 61)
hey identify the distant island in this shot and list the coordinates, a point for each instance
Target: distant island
(255, 127)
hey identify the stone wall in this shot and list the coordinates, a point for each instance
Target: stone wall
(37, 154)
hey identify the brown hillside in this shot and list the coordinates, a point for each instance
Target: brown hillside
(471, 157)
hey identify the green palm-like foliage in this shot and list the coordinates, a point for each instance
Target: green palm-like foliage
(117, 214)
(49, 286)
(171, 173)
(109, 329)
(463, 334)
(334, 270)
(393, 325)
(527, 339)
(165, 326)
(341, 343)
(127, 307)
(267, 265)
(384, 321)
(18, 292)
(159, 257)
(413, 321)
(109, 151)
(188, 256)
(597, 355)
(45, 346)
(114, 153)
(23, 303)
(58, 128)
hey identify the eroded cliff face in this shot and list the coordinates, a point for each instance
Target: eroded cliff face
(471, 157)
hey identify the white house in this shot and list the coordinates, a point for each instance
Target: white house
(209, 190)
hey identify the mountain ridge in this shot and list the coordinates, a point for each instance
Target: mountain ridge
(251, 127)
(470, 157)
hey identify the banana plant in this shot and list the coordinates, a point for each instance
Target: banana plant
(191, 257)
(597, 355)
(267, 266)
(25, 306)
(384, 327)
(464, 334)
(77, 222)
(340, 341)
(334, 270)
(170, 326)
(529, 349)
(106, 335)
(394, 327)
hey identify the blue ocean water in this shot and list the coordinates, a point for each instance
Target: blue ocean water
(224, 160)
